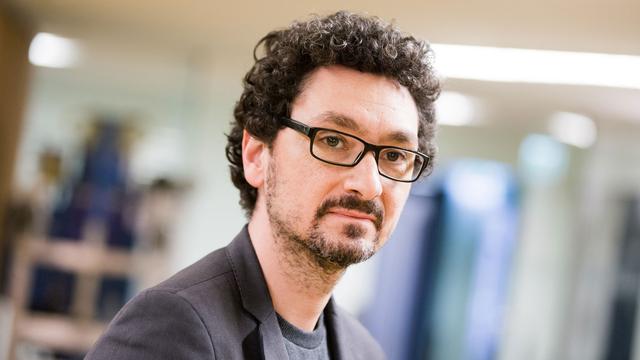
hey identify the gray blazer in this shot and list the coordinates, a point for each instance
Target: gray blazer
(218, 308)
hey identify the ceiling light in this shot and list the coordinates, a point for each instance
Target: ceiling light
(455, 109)
(50, 50)
(573, 129)
(537, 66)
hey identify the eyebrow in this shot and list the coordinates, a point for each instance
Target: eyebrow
(340, 120)
(348, 123)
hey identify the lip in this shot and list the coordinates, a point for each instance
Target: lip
(357, 215)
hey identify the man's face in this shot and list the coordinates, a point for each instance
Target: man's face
(343, 215)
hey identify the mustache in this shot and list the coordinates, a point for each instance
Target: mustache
(352, 202)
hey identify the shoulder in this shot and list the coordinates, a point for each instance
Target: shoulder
(207, 269)
(168, 320)
(153, 325)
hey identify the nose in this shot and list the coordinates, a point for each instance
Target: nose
(364, 178)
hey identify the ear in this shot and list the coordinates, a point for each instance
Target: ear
(253, 159)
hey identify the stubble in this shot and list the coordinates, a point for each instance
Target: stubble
(313, 248)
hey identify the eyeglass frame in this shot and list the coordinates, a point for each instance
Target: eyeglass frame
(311, 131)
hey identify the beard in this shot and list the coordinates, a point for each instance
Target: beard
(329, 252)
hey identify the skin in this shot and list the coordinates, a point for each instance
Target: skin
(292, 186)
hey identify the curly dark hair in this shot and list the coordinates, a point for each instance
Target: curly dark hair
(366, 44)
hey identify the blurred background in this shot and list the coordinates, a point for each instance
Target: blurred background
(523, 244)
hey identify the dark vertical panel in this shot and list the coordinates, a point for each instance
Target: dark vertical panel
(14, 69)
(625, 302)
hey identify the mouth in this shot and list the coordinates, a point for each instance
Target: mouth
(354, 209)
(353, 214)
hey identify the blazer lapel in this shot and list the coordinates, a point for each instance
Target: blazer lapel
(255, 296)
(272, 340)
(338, 344)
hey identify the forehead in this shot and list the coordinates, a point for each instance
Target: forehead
(376, 107)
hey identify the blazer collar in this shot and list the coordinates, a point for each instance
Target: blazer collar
(255, 297)
(249, 277)
(338, 346)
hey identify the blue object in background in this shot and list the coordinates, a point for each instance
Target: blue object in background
(478, 235)
(405, 275)
(52, 290)
(99, 194)
(120, 222)
(103, 171)
(68, 219)
(113, 294)
(103, 164)
(444, 274)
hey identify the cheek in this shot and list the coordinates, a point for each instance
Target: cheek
(303, 186)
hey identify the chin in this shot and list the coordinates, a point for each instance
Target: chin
(353, 231)
(351, 245)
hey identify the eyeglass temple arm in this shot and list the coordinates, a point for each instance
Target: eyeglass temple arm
(296, 125)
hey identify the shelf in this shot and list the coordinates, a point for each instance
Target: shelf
(80, 257)
(58, 331)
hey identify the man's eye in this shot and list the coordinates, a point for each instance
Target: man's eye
(394, 156)
(332, 141)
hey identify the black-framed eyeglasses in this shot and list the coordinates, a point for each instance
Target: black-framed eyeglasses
(342, 149)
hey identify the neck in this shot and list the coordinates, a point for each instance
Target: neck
(299, 286)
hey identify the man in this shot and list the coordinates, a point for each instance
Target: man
(335, 122)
